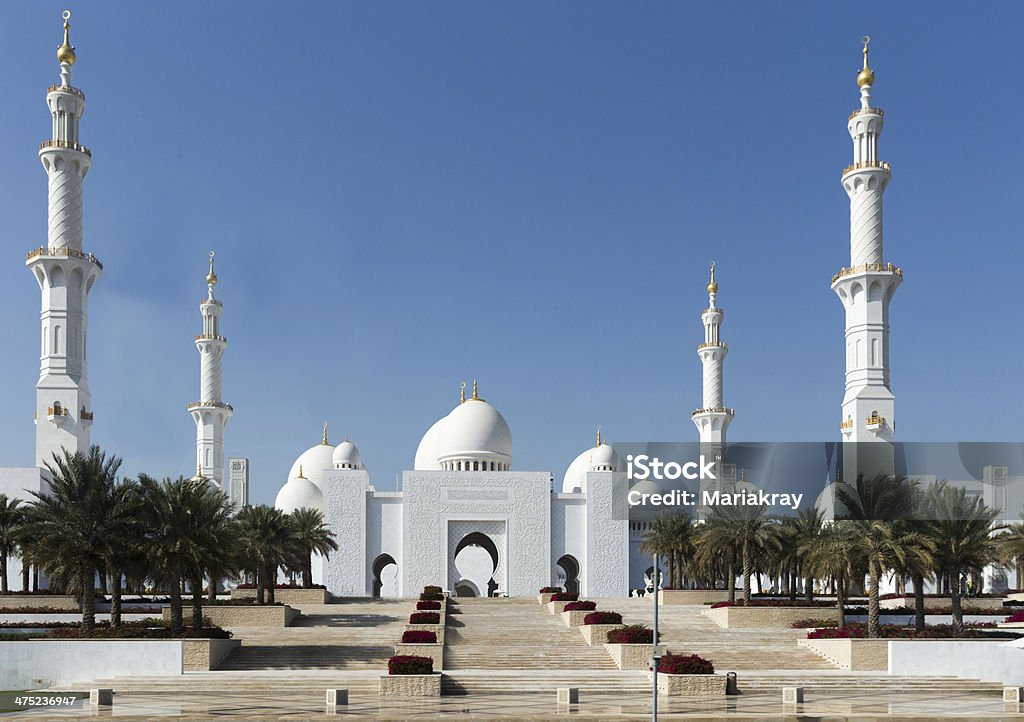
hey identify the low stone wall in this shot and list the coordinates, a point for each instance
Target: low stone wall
(54, 601)
(597, 633)
(931, 603)
(434, 651)
(1016, 597)
(743, 617)
(694, 597)
(288, 596)
(202, 655)
(410, 685)
(857, 655)
(228, 617)
(691, 685)
(989, 660)
(47, 662)
(575, 618)
(545, 597)
(630, 656)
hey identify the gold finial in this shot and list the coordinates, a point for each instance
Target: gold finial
(462, 392)
(199, 471)
(866, 76)
(211, 277)
(475, 395)
(66, 51)
(324, 442)
(598, 436)
(300, 476)
(712, 286)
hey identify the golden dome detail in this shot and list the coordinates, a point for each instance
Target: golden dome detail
(211, 277)
(712, 286)
(66, 51)
(866, 76)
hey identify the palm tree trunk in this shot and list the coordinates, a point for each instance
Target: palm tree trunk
(88, 578)
(115, 597)
(840, 585)
(954, 599)
(102, 571)
(809, 589)
(874, 627)
(730, 579)
(197, 602)
(25, 571)
(271, 577)
(211, 597)
(3, 573)
(261, 597)
(918, 581)
(307, 572)
(177, 625)
(746, 573)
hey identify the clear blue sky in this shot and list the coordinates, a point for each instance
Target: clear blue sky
(403, 195)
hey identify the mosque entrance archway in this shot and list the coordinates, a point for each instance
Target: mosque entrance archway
(568, 573)
(476, 562)
(385, 577)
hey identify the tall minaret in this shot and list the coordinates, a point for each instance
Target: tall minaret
(65, 275)
(865, 289)
(210, 413)
(713, 418)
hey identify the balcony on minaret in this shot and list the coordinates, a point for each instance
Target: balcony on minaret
(712, 344)
(209, 337)
(875, 422)
(846, 427)
(210, 405)
(57, 413)
(85, 417)
(714, 410)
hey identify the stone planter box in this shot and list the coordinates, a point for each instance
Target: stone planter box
(597, 633)
(691, 685)
(575, 618)
(437, 629)
(630, 656)
(410, 685)
(693, 597)
(288, 596)
(743, 617)
(857, 655)
(434, 651)
(930, 603)
(557, 607)
(545, 597)
(203, 655)
(228, 617)
(56, 601)
(1016, 597)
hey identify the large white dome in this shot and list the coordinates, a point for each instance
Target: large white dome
(299, 493)
(346, 456)
(596, 458)
(427, 451)
(473, 437)
(314, 462)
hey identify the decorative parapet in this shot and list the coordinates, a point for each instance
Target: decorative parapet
(865, 164)
(210, 404)
(866, 111)
(874, 422)
(59, 88)
(868, 267)
(67, 252)
(714, 410)
(67, 144)
(712, 344)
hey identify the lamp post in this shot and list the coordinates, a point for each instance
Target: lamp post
(655, 652)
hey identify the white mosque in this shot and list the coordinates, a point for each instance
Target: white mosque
(465, 516)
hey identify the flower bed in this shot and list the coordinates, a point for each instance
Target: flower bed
(425, 618)
(1015, 617)
(685, 664)
(603, 618)
(731, 617)
(419, 636)
(580, 607)
(142, 629)
(432, 589)
(859, 630)
(38, 600)
(550, 590)
(774, 603)
(565, 597)
(431, 597)
(631, 634)
(410, 664)
(428, 606)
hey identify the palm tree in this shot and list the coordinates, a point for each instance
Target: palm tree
(715, 553)
(183, 527)
(961, 527)
(265, 544)
(751, 529)
(11, 520)
(212, 548)
(797, 535)
(122, 542)
(830, 555)
(311, 536)
(71, 523)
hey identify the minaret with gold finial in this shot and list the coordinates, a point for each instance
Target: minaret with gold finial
(210, 413)
(866, 288)
(713, 418)
(65, 274)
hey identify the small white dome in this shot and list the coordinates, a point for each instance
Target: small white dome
(475, 430)
(427, 451)
(314, 462)
(299, 493)
(346, 456)
(647, 486)
(596, 458)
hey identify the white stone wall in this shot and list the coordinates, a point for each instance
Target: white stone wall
(345, 495)
(569, 532)
(384, 535)
(36, 664)
(607, 536)
(520, 499)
